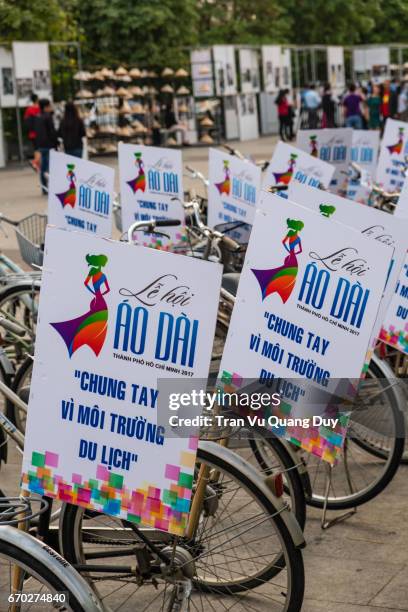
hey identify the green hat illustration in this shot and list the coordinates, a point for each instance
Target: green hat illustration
(70, 166)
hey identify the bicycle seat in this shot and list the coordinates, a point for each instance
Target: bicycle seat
(230, 282)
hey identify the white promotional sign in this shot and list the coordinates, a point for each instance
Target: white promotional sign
(364, 153)
(233, 191)
(225, 70)
(306, 303)
(249, 70)
(80, 194)
(335, 68)
(289, 163)
(375, 60)
(202, 73)
(394, 330)
(374, 224)
(330, 145)
(286, 69)
(118, 319)
(150, 180)
(32, 70)
(394, 148)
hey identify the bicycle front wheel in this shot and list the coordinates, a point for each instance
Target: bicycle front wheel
(242, 554)
(34, 577)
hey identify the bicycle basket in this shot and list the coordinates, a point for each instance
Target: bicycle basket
(30, 234)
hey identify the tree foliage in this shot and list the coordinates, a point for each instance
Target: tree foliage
(158, 32)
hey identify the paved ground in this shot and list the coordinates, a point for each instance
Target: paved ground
(360, 565)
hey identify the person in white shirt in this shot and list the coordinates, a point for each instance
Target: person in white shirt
(312, 102)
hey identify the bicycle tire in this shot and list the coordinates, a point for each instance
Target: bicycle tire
(291, 558)
(28, 554)
(359, 498)
(297, 490)
(379, 370)
(12, 412)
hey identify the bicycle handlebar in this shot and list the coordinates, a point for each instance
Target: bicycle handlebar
(7, 220)
(149, 226)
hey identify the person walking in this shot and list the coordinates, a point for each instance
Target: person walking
(351, 103)
(45, 140)
(72, 130)
(328, 107)
(30, 113)
(374, 106)
(312, 102)
(283, 113)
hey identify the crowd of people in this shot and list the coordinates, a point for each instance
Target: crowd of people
(359, 107)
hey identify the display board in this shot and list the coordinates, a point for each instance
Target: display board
(7, 92)
(249, 70)
(202, 74)
(248, 117)
(373, 224)
(32, 70)
(394, 330)
(225, 70)
(233, 191)
(364, 152)
(330, 145)
(151, 187)
(335, 69)
(93, 434)
(80, 194)
(271, 67)
(391, 162)
(289, 163)
(375, 60)
(299, 306)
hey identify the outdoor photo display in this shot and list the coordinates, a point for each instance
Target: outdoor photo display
(394, 330)
(309, 291)
(394, 148)
(364, 153)
(202, 73)
(32, 70)
(335, 68)
(151, 187)
(93, 436)
(80, 194)
(332, 146)
(289, 164)
(225, 70)
(233, 191)
(271, 67)
(374, 224)
(249, 70)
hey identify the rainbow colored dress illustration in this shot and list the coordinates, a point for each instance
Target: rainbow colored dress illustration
(314, 152)
(282, 280)
(90, 328)
(285, 177)
(397, 147)
(138, 183)
(68, 198)
(225, 185)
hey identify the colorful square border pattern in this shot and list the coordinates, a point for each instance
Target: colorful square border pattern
(323, 442)
(397, 338)
(166, 509)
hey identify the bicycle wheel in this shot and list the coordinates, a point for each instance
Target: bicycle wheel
(267, 454)
(19, 304)
(20, 385)
(242, 548)
(372, 452)
(44, 579)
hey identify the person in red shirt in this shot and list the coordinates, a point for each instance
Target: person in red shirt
(30, 113)
(283, 113)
